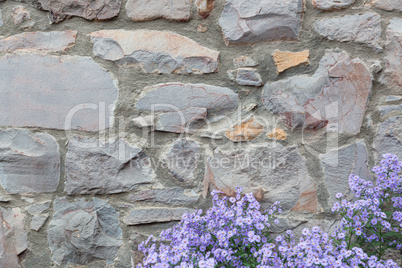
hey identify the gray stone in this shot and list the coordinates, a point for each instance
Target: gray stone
(392, 75)
(39, 41)
(364, 29)
(272, 173)
(182, 121)
(155, 51)
(393, 98)
(173, 196)
(388, 5)
(385, 110)
(244, 61)
(252, 21)
(182, 158)
(332, 4)
(83, 231)
(38, 208)
(155, 214)
(87, 9)
(1, 19)
(20, 15)
(38, 221)
(389, 137)
(338, 164)
(143, 10)
(247, 77)
(29, 162)
(93, 167)
(336, 94)
(67, 92)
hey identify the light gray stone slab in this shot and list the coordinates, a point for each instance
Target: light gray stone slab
(389, 137)
(143, 10)
(154, 214)
(38, 221)
(388, 5)
(328, 5)
(174, 196)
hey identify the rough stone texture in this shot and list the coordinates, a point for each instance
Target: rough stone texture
(66, 92)
(181, 159)
(38, 221)
(244, 61)
(204, 7)
(336, 93)
(247, 130)
(20, 15)
(173, 196)
(332, 4)
(277, 134)
(393, 98)
(338, 164)
(38, 208)
(248, 22)
(39, 41)
(389, 137)
(272, 173)
(392, 75)
(154, 214)
(155, 51)
(385, 110)
(246, 77)
(83, 231)
(105, 168)
(87, 9)
(1, 19)
(388, 5)
(142, 10)
(364, 29)
(182, 121)
(29, 163)
(286, 60)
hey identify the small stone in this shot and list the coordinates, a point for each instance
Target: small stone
(249, 129)
(112, 167)
(20, 15)
(328, 5)
(173, 196)
(389, 137)
(249, 22)
(388, 5)
(38, 221)
(145, 122)
(204, 7)
(12, 225)
(385, 110)
(202, 28)
(278, 134)
(249, 77)
(29, 162)
(155, 214)
(143, 10)
(93, 231)
(244, 61)
(392, 75)
(285, 60)
(363, 29)
(39, 41)
(155, 51)
(38, 208)
(393, 98)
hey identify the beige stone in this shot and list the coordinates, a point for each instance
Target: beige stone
(144, 10)
(247, 130)
(285, 59)
(278, 134)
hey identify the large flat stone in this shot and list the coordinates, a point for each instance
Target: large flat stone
(67, 92)
(332, 4)
(39, 41)
(388, 5)
(336, 93)
(389, 137)
(252, 21)
(338, 164)
(87, 9)
(29, 162)
(105, 168)
(154, 215)
(143, 10)
(155, 51)
(271, 173)
(364, 29)
(173, 196)
(392, 75)
(82, 231)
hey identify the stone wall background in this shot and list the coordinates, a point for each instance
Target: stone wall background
(77, 191)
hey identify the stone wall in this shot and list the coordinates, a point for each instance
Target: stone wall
(119, 116)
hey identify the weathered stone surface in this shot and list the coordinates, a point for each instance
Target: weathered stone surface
(385, 110)
(20, 15)
(247, 130)
(246, 77)
(393, 98)
(29, 163)
(38, 221)
(90, 10)
(389, 137)
(190, 101)
(336, 93)
(1, 19)
(82, 231)
(39, 41)
(392, 75)
(155, 51)
(105, 168)
(277, 134)
(38, 208)
(174, 196)
(248, 22)
(182, 158)
(244, 61)
(204, 7)
(388, 5)
(271, 173)
(332, 4)
(66, 92)
(364, 29)
(143, 10)
(338, 164)
(154, 214)
(285, 60)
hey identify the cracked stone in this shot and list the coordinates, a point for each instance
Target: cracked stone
(154, 214)
(328, 5)
(286, 60)
(144, 10)
(249, 129)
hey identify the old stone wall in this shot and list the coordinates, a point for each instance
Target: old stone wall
(118, 116)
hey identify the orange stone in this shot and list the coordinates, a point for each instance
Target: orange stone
(278, 134)
(285, 60)
(247, 130)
